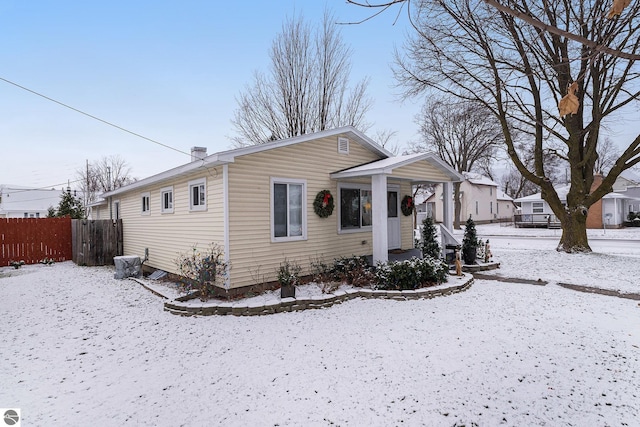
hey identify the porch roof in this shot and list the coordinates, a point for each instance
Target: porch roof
(420, 167)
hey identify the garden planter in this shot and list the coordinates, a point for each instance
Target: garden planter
(287, 291)
(469, 255)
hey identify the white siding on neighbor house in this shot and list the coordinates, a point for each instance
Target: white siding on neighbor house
(615, 208)
(482, 196)
(167, 235)
(254, 257)
(527, 207)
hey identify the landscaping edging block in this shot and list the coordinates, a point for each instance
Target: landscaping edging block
(322, 301)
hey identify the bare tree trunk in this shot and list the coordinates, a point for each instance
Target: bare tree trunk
(457, 205)
(574, 233)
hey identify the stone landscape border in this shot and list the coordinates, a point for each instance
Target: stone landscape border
(238, 308)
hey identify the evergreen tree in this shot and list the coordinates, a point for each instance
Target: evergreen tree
(430, 246)
(469, 242)
(51, 212)
(70, 206)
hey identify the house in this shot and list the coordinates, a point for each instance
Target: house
(257, 203)
(24, 202)
(480, 198)
(610, 211)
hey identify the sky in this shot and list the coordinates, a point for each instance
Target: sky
(169, 71)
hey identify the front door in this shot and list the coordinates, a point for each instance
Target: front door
(393, 220)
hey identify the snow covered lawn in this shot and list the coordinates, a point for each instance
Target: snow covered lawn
(80, 348)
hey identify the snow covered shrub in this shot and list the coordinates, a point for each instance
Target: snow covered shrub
(411, 274)
(202, 270)
(353, 270)
(16, 264)
(322, 274)
(289, 273)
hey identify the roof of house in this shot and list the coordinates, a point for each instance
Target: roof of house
(631, 176)
(562, 194)
(228, 156)
(386, 166)
(17, 198)
(478, 179)
(501, 195)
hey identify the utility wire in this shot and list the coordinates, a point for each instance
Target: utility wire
(93, 117)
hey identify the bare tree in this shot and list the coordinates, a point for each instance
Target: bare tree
(307, 89)
(466, 135)
(386, 139)
(103, 175)
(608, 153)
(521, 58)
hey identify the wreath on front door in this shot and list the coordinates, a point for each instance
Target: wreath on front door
(406, 206)
(323, 204)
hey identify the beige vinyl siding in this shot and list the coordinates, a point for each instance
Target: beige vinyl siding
(406, 222)
(422, 170)
(169, 234)
(254, 258)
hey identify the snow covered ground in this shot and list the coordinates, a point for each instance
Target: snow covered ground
(80, 348)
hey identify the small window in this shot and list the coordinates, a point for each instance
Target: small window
(538, 207)
(26, 214)
(37, 214)
(145, 203)
(491, 191)
(477, 207)
(288, 210)
(355, 208)
(166, 200)
(343, 146)
(490, 207)
(197, 195)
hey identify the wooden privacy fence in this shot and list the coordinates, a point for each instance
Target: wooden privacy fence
(33, 239)
(96, 242)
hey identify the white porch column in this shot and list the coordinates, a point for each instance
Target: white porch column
(379, 218)
(447, 205)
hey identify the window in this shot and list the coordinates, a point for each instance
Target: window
(490, 207)
(197, 195)
(491, 191)
(37, 214)
(537, 207)
(26, 214)
(288, 209)
(145, 203)
(166, 200)
(355, 208)
(497, 208)
(476, 207)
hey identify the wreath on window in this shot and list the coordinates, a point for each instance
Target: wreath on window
(323, 204)
(407, 205)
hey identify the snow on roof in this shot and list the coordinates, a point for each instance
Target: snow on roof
(631, 175)
(228, 156)
(17, 198)
(501, 195)
(478, 179)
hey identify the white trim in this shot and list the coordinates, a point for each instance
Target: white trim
(353, 186)
(116, 211)
(145, 199)
(303, 182)
(225, 214)
(197, 183)
(163, 191)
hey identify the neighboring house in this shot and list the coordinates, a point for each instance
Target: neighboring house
(24, 202)
(99, 210)
(611, 210)
(627, 179)
(257, 203)
(479, 197)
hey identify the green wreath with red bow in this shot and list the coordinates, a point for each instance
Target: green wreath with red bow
(407, 205)
(323, 204)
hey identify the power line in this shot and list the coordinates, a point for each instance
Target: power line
(93, 117)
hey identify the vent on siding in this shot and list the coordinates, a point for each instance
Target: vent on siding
(343, 146)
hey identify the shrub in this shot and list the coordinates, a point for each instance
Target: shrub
(16, 264)
(202, 270)
(470, 242)
(353, 270)
(411, 274)
(323, 275)
(289, 273)
(430, 246)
